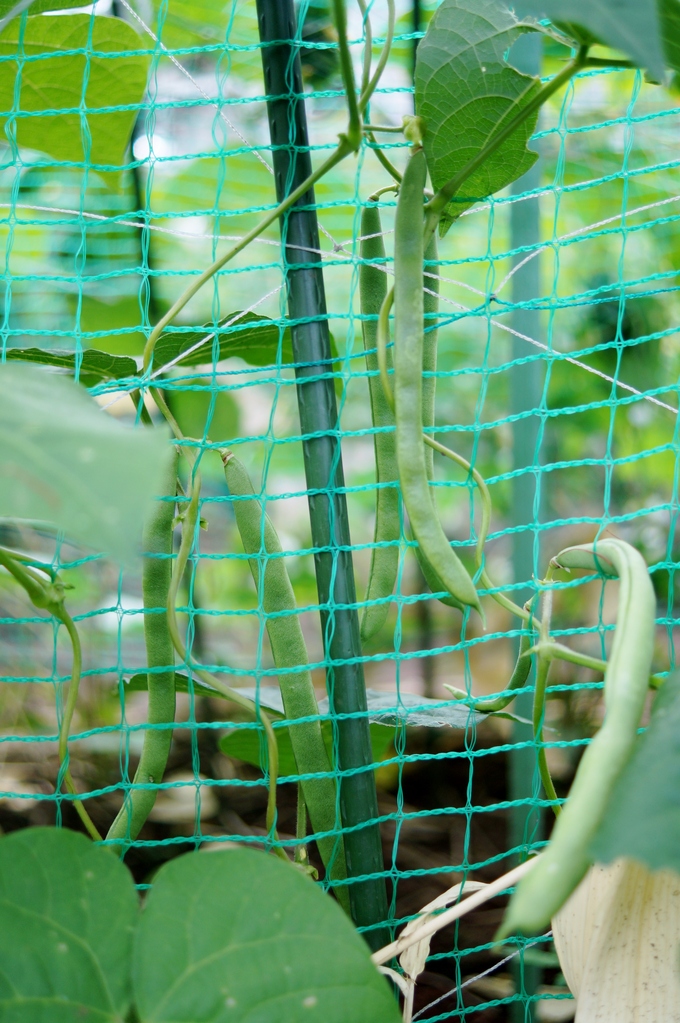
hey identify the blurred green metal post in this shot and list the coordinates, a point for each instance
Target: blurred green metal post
(526, 388)
(323, 463)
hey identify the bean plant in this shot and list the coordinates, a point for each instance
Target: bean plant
(244, 935)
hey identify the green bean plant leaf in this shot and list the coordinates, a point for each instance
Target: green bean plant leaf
(38, 6)
(466, 91)
(669, 12)
(139, 684)
(245, 744)
(631, 26)
(65, 462)
(249, 336)
(67, 915)
(59, 101)
(642, 819)
(181, 23)
(258, 941)
(94, 367)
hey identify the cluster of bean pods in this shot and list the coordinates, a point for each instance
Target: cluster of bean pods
(401, 382)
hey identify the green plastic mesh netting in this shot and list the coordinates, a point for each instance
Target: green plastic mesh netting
(558, 362)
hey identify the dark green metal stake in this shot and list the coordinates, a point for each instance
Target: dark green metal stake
(323, 463)
(526, 387)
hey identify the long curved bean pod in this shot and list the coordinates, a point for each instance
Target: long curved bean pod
(408, 388)
(384, 558)
(289, 651)
(160, 653)
(567, 858)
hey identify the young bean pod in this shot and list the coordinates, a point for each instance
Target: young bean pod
(408, 388)
(49, 596)
(430, 310)
(518, 680)
(160, 654)
(190, 524)
(385, 555)
(289, 651)
(567, 858)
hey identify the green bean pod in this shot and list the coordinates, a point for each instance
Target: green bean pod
(385, 555)
(567, 857)
(431, 306)
(518, 679)
(160, 654)
(408, 389)
(430, 336)
(289, 650)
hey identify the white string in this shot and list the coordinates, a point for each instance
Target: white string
(582, 230)
(187, 74)
(17, 9)
(168, 365)
(134, 223)
(119, 396)
(539, 344)
(485, 973)
(213, 103)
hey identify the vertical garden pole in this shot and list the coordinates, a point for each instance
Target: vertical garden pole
(323, 463)
(526, 387)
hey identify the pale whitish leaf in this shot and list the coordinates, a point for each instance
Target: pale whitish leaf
(466, 92)
(389, 708)
(414, 958)
(258, 943)
(43, 109)
(67, 915)
(65, 462)
(631, 26)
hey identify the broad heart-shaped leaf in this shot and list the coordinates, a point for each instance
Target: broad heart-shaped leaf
(466, 92)
(93, 369)
(43, 108)
(240, 937)
(631, 26)
(249, 336)
(67, 916)
(642, 820)
(66, 462)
